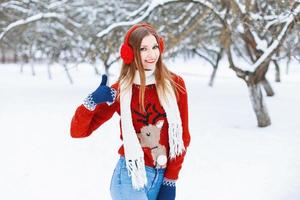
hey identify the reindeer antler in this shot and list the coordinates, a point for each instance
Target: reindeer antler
(145, 118)
(158, 114)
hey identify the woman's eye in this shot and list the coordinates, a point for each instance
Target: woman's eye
(145, 49)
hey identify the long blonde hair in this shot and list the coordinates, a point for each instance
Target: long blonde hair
(162, 74)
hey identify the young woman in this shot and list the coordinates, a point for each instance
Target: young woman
(153, 108)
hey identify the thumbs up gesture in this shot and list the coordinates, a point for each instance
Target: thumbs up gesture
(102, 94)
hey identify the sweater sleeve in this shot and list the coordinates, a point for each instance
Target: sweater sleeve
(84, 121)
(174, 166)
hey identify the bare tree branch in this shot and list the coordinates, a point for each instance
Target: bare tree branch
(30, 20)
(150, 8)
(275, 44)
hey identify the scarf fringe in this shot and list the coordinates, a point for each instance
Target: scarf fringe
(175, 140)
(137, 172)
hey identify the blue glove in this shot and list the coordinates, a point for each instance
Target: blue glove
(167, 190)
(102, 94)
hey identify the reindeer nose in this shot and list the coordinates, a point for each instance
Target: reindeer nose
(148, 134)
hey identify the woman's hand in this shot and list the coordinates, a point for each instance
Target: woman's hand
(102, 94)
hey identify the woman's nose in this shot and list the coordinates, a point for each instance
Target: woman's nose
(151, 53)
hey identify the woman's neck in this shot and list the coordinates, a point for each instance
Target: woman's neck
(149, 77)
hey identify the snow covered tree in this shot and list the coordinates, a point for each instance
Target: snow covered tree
(260, 44)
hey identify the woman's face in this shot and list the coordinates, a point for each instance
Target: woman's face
(149, 52)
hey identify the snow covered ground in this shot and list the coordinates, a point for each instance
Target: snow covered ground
(229, 158)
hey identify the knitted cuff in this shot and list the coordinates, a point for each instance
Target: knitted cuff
(113, 93)
(89, 103)
(169, 182)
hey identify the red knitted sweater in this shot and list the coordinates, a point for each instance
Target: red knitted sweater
(151, 126)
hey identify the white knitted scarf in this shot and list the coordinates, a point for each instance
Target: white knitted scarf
(134, 154)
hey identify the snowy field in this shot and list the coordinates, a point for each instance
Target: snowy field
(229, 158)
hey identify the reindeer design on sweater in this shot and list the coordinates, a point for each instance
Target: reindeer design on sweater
(149, 135)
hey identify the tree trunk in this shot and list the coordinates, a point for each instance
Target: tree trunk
(49, 71)
(259, 106)
(32, 68)
(95, 68)
(287, 68)
(68, 73)
(106, 67)
(2, 55)
(212, 77)
(216, 66)
(22, 67)
(269, 90)
(15, 57)
(277, 73)
(288, 65)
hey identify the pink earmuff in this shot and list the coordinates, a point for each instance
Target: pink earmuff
(126, 51)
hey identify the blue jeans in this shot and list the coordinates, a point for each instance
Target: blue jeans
(121, 187)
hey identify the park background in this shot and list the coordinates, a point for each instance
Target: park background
(240, 63)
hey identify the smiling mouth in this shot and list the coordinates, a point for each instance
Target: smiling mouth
(150, 61)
